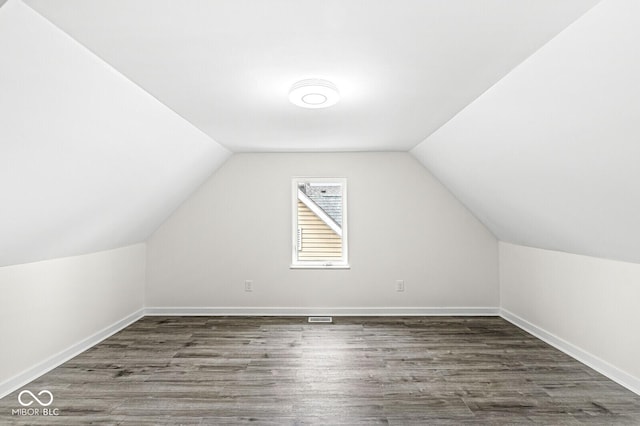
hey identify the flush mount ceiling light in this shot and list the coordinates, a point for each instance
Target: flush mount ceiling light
(314, 93)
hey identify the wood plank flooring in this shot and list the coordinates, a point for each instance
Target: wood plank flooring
(283, 371)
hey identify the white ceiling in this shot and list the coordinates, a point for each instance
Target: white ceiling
(404, 67)
(546, 156)
(88, 160)
(550, 156)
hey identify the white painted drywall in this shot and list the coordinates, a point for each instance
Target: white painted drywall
(588, 302)
(549, 156)
(403, 68)
(47, 307)
(403, 224)
(88, 160)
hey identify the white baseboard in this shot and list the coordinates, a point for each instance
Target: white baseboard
(601, 366)
(356, 312)
(16, 382)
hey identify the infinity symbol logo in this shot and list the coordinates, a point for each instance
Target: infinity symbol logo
(35, 398)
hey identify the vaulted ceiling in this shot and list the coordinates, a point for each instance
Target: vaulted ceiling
(403, 67)
(550, 156)
(113, 111)
(88, 160)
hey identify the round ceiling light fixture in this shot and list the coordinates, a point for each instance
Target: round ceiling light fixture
(314, 93)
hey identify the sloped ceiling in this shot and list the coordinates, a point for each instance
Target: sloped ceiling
(550, 156)
(91, 160)
(403, 67)
(88, 160)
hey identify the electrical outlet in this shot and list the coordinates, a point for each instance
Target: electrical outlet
(400, 285)
(248, 285)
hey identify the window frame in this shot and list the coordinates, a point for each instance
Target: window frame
(343, 262)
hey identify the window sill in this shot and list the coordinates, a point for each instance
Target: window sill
(321, 266)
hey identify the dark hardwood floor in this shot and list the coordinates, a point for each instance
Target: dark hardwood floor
(280, 371)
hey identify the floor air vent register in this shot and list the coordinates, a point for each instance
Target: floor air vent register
(320, 319)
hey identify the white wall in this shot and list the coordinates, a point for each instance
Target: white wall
(589, 304)
(50, 306)
(403, 224)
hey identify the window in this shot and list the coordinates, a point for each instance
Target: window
(319, 236)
